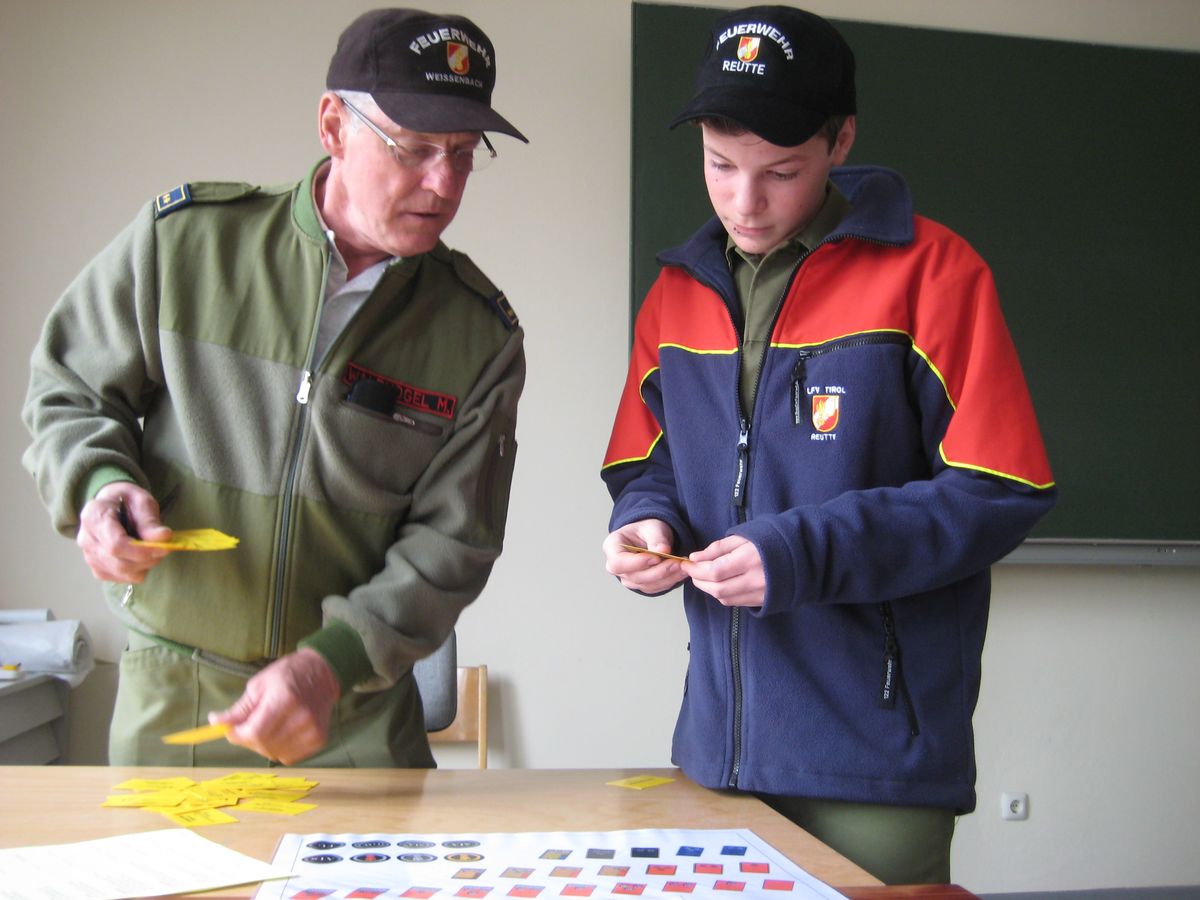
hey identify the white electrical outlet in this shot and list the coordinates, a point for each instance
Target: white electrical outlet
(1014, 807)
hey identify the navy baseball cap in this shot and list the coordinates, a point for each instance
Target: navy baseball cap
(778, 71)
(425, 71)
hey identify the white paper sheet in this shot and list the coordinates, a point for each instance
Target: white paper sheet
(697, 864)
(149, 864)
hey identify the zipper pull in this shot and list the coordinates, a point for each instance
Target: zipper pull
(798, 375)
(305, 387)
(743, 465)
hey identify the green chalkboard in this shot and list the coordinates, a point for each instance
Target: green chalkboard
(1072, 169)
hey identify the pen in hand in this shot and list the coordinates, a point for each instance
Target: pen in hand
(123, 518)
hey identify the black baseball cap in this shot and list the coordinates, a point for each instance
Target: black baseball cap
(425, 71)
(778, 71)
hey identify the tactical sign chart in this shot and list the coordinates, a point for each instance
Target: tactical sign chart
(723, 864)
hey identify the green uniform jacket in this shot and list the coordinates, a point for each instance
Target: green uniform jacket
(181, 358)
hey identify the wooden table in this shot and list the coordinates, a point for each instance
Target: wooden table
(61, 804)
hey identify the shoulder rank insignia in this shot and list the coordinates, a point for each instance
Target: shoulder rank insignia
(176, 198)
(504, 308)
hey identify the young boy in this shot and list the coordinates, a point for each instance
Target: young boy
(824, 411)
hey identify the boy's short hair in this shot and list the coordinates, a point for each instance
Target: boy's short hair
(777, 71)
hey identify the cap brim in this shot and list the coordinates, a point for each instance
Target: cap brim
(776, 121)
(438, 113)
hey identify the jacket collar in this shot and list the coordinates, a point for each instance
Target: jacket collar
(881, 211)
(304, 211)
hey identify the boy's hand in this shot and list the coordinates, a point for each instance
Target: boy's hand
(729, 570)
(642, 571)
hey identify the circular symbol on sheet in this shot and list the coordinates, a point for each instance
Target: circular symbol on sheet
(370, 845)
(324, 845)
(460, 845)
(464, 857)
(415, 845)
(323, 858)
(416, 857)
(370, 857)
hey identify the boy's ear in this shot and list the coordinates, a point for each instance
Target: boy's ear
(845, 140)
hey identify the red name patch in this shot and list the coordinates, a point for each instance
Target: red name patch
(407, 395)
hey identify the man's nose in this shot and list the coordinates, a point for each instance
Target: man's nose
(441, 177)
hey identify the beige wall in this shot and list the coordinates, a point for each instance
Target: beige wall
(1089, 687)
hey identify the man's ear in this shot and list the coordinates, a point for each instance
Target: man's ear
(332, 127)
(845, 140)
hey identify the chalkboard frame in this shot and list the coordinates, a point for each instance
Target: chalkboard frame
(1018, 144)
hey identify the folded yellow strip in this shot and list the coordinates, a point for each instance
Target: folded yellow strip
(634, 549)
(194, 539)
(197, 735)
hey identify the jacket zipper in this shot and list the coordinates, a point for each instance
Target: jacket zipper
(285, 528)
(800, 372)
(293, 467)
(740, 483)
(893, 673)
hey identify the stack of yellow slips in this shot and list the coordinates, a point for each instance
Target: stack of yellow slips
(190, 803)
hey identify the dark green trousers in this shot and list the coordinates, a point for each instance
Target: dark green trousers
(896, 844)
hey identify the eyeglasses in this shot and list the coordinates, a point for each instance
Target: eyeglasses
(423, 155)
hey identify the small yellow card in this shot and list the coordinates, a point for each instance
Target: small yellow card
(201, 817)
(640, 782)
(633, 549)
(164, 798)
(155, 784)
(291, 808)
(197, 735)
(194, 539)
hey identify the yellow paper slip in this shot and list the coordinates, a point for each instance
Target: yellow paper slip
(640, 782)
(197, 735)
(194, 539)
(632, 549)
(201, 817)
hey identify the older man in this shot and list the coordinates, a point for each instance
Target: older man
(309, 368)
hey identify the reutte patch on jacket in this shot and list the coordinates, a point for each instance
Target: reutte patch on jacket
(407, 395)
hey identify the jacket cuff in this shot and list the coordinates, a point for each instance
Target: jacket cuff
(100, 477)
(779, 570)
(342, 647)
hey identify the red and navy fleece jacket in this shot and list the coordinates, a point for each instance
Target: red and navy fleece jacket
(892, 455)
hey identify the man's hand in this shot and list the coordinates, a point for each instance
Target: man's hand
(642, 571)
(284, 713)
(729, 570)
(106, 545)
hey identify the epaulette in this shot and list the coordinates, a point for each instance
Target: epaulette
(478, 282)
(200, 192)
